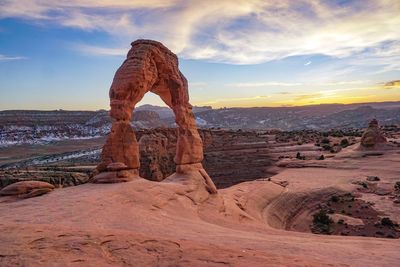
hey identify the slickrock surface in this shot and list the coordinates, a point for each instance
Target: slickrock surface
(178, 222)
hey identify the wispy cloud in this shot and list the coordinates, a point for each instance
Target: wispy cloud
(307, 63)
(10, 58)
(291, 84)
(198, 85)
(262, 84)
(234, 100)
(308, 96)
(354, 82)
(238, 32)
(392, 84)
(385, 56)
(98, 50)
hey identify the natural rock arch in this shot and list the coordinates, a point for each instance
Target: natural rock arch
(149, 67)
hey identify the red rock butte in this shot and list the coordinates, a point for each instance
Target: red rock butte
(149, 67)
(373, 137)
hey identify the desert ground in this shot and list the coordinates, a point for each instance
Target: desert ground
(177, 222)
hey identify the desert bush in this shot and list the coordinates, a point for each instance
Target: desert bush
(373, 178)
(299, 156)
(397, 187)
(388, 222)
(326, 147)
(322, 222)
(325, 141)
(335, 198)
(344, 143)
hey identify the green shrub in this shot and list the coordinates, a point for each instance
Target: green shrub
(322, 222)
(335, 198)
(344, 143)
(397, 186)
(387, 222)
(325, 141)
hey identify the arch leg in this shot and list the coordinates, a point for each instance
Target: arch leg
(189, 149)
(120, 159)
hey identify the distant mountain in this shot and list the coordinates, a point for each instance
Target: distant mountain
(52, 117)
(322, 117)
(146, 119)
(357, 118)
(34, 126)
(163, 112)
(166, 112)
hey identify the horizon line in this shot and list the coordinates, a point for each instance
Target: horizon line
(216, 108)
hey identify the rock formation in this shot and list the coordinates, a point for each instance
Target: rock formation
(156, 156)
(149, 67)
(224, 154)
(52, 175)
(27, 189)
(146, 119)
(373, 137)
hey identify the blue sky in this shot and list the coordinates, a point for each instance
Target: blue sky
(63, 54)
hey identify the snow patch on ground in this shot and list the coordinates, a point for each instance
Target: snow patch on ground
(201, 122)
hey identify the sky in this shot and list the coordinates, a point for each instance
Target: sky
(235, 53)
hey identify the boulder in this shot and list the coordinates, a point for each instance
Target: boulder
(27, 189)
(373, 137)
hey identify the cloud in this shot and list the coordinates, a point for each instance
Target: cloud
(290, 84)
(98, 50)
(8, 58)
(344, 82)
(385, 56)
(307, 63)
(235, 31)
(262, 84)
(234, 100)
(199, 85)
(392, 84)
(308, 96)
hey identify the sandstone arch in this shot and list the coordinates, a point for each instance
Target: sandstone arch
(149, 67)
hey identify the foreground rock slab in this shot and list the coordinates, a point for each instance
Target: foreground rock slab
(178, 222)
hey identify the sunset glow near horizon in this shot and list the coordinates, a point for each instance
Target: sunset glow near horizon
(63, 54)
